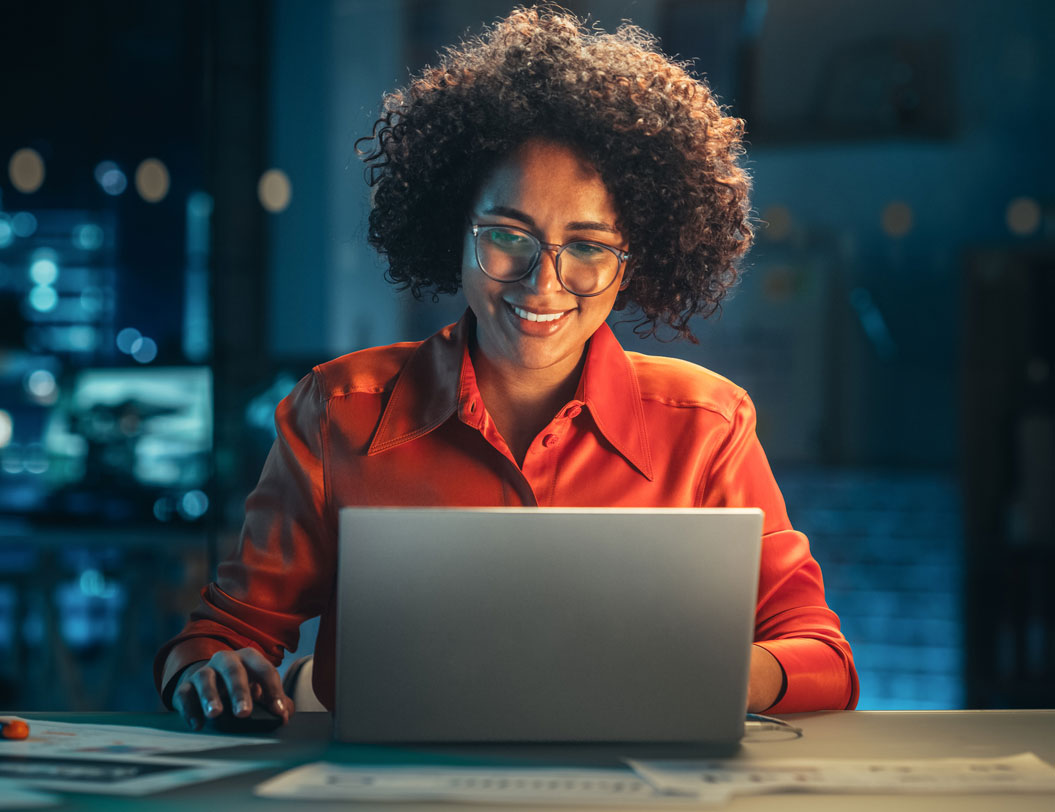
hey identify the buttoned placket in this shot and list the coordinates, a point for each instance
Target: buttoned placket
(542, 461)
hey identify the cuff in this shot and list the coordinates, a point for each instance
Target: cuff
(189, 651)
(815, 674)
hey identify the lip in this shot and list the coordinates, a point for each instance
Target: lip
(536, 328)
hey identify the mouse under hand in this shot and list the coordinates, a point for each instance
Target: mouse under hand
(260, 720)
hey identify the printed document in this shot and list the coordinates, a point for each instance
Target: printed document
(558, 786)
(61, 738)
(714, 781)
(114, 774)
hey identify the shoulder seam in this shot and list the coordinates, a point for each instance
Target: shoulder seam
(692, 404)
(714, 454)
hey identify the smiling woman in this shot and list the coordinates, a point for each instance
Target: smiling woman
(531, 330)
(552, 173)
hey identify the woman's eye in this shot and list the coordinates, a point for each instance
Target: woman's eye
(585, 250)
(507, 239)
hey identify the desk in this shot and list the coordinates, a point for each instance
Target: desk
(845, 734)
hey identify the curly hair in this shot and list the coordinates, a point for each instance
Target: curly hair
(665, 150)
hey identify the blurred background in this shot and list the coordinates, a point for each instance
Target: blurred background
(182, 221)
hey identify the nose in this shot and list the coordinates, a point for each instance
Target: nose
(543, 277)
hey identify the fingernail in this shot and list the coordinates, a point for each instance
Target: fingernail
(210, 709)
(280, 706)
(243, 706)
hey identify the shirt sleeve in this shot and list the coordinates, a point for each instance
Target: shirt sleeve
(792, 619)
(282, 571)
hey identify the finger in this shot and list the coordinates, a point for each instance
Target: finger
(208, 689)
(256, 690)
(266, 675)
(185, 702)
(233, 677)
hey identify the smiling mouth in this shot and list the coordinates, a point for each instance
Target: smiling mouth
(527, 315)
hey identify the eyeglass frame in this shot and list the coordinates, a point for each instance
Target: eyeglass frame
(620, 255)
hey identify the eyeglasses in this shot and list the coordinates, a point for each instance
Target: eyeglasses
(584, 267)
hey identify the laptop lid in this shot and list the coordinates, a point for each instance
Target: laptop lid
(545, 625)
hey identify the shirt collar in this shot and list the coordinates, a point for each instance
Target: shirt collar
(438, 381)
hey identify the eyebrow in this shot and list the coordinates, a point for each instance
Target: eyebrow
(577, 225)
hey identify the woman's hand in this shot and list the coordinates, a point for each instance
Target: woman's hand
(765, 682)
(230, 680)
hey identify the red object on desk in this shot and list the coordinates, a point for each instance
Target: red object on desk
(13, 729)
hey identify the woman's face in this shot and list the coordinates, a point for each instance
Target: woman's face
(549, 190)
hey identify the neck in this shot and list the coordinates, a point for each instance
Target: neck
(522, 401)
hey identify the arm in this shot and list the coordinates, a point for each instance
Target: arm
(792, 621)
(282, 571)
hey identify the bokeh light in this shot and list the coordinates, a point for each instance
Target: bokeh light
(24, 224)
(152, 180)
(43, 298)
(26, 170)
(193, 504)
(144, 350)
(88, 237)
(126, 338)
(274, 190)
(43, 270)
(7, 428)
(163, 509)
(82, 337)
(35, 460)
(110, 177)
(200, 204)
(7, 234)
(1023, 216)
(897, 219)
(41, 386)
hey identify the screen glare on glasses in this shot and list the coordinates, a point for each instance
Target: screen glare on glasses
(508, 254)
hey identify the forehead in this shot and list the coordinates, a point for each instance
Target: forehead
(544, 177)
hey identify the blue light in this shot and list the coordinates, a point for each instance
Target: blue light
(43, 298)
(126, 339)
(144, 350)
(193, 505)
(110, 177)
(88, 237)
(7, 234)
(24, 224)
(199, 204)
(44, 271)
(82, 337)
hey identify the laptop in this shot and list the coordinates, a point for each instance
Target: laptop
(530, 625)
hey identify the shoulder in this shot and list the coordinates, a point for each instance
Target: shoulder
(370, 371)
(681, 384)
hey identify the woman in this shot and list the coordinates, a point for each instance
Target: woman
(553, 174)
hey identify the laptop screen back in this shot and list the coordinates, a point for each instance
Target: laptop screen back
(545, 625)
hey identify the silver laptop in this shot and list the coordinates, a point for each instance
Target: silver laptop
(545, 625)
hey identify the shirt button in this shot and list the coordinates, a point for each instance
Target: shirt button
(573, 411)
(550, 440)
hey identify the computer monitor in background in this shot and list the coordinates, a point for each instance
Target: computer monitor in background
(131, 444)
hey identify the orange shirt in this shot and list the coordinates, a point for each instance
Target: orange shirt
(405, 425)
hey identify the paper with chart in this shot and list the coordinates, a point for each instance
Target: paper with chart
(61, 738)
(114, 774)
(711, 779)
(538, 786)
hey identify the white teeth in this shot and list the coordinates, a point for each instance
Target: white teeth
(527, 315)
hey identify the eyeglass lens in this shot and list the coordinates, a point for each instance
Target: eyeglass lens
(508, 255)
